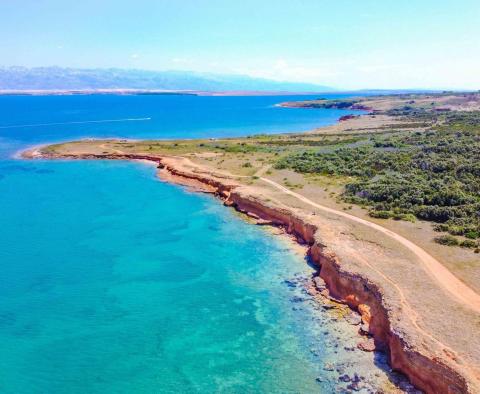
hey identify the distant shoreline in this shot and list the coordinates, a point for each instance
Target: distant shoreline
(149, 92)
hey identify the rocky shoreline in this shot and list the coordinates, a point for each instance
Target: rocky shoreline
(379, 318)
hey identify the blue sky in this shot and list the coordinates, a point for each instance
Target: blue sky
(341, 43)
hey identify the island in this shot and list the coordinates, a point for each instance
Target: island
(387, 203)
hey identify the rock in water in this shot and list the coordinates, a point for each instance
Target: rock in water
(353, 318)
(367, 345)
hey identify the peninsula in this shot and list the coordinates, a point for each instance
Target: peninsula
(387, 202)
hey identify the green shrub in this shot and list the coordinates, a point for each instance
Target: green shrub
(432, 175)
(468, 243)
(381, 214)
(472, 234)
(448, 240)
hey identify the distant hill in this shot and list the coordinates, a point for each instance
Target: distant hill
(57, 78)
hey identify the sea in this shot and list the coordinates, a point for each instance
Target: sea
(113, 281)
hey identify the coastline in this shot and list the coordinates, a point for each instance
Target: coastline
(426, 370)
(153, 92)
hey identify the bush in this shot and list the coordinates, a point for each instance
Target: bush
(448, 240)
(473, 234)
(468, 243)
(381, 214)
(433, 175)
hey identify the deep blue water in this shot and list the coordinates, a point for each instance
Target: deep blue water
(114, 282)
(168, 116)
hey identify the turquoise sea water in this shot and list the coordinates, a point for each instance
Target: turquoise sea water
(114, 282)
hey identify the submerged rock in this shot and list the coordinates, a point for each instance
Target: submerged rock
(364, 329)
(354, 386)
(297, 299)
(367, 345)
(328, 306)
(290, 283)
(344, 378)
(353, 318)
(319, 283)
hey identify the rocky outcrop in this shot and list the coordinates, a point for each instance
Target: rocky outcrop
(427, 371)
(347, 117)
(326, 104)
(430, 374)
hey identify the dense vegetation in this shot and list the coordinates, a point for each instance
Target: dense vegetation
(432, 175)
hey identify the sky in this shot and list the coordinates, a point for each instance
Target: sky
(347, 44)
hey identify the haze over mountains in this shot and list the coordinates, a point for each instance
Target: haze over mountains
(57, 78)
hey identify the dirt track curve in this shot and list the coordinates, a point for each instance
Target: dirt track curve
(459, 290)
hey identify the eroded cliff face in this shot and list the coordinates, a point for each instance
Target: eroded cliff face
(429, 372)
(426, 372)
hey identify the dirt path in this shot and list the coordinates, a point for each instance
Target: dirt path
(459, 290)
(117, 151)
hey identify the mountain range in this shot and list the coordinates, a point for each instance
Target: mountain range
(58, 78)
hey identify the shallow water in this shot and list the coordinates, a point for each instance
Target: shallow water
(114, 282)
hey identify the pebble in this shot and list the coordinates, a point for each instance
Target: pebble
(328, 367)
(344, 378)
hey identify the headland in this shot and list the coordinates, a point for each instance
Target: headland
(418, 299)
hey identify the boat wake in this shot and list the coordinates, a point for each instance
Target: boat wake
(77, 122)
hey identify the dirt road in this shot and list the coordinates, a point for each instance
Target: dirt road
(459, 290)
